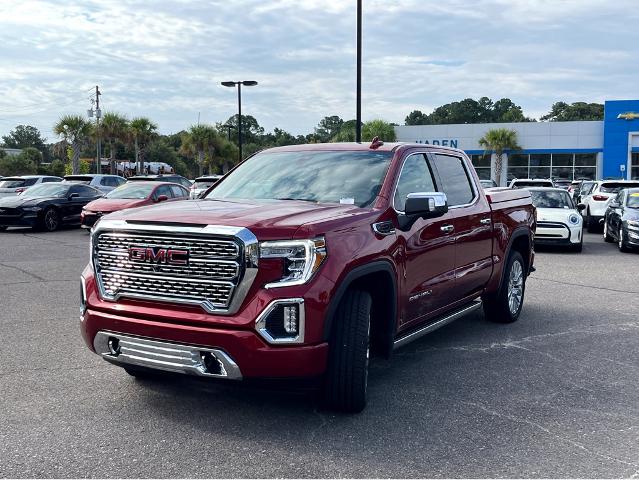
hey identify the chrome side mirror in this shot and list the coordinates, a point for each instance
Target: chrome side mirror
(422, 205)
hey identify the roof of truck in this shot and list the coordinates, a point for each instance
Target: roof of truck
(350, 146)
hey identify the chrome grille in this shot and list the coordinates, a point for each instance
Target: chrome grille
(209, 279)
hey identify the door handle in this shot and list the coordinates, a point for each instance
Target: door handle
(485, 221)
(447, 228)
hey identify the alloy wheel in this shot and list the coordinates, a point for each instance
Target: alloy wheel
(51, 220)
(515, 287)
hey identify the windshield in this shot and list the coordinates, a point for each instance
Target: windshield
(616, 187)
(137, 191)
(633, 200)
(56, 190)
(551, 199)
(76, 179)
(325, 177)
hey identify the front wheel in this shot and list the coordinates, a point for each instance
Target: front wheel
(505, 306)
(346, 380)
(622, 242)
(578, 247)
(3, 228)
(606, 235)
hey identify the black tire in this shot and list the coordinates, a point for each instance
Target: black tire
(621, 243)
(590, 224)
(143, 373)
(3, 228)
(578, 247)
(50, 220)
(497, 307)
(606, 235)
(346, 380)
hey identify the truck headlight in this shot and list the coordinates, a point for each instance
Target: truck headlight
(574, 219)
(301, 258)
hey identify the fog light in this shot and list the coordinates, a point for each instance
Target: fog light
(290, 319)
(114, 346)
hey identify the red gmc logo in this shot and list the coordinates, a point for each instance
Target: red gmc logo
(169, 256)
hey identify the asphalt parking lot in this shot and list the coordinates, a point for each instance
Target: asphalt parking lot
(556, 394)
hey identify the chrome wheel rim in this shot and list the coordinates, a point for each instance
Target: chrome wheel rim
(51, 220)
(368, 350)
(515, 287)
(620, 237)
(605, 231)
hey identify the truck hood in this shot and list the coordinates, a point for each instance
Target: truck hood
(267, 219)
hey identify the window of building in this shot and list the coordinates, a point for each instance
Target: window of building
(634, 167)
(569, 166)
(482, 165)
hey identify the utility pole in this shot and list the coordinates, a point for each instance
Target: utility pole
(98, 114)
(358, 101)
(246, 83)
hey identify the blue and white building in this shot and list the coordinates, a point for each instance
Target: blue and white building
(573, 150)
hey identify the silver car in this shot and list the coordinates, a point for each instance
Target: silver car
(203, 183)
(104, 183)
(12, 186)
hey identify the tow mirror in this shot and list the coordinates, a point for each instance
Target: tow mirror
(422, 205)
(581, 206)
(162, 198)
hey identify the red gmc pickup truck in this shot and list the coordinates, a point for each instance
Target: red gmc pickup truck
(304, 259)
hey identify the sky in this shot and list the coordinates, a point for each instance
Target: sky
(165, 60)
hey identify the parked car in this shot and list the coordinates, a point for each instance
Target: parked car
(104, 183)
(621, 221)
(530, 182)
(12, 186)
(303, 260)
(129, 195)
(47, 206)
(488, 183)
(558, 219)
(562, 183)
(179, 179)
(582, 190)
(202, 184)
(596, 201)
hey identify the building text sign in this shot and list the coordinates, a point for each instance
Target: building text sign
(444, 142)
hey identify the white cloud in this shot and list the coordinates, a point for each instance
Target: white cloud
(166, 59)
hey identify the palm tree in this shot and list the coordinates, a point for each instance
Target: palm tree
(378, 128)
(200, 141)
(497, 141)
(114, 129)
(75, 131)
(142, 131)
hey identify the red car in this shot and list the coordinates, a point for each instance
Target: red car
(130, 195)
(302, 261)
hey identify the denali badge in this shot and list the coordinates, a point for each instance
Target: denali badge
(169, 256)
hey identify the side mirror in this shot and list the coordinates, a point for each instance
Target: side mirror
(162, 198)
(422, 205)
(581, 206)
(73, 195)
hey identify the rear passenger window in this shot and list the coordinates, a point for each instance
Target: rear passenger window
(456, 183)
(415, 177)
(178, 192)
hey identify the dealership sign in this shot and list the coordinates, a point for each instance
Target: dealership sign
(444, 142)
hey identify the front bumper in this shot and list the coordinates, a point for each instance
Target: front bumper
(631, 235)
(191, 329)
(556, 233)
(87, 220)
(26, 219)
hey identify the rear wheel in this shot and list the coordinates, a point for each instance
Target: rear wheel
(347, 374)
(3, 228)
(606, 235)
(622, 241)
(590, 223)
(505, 306)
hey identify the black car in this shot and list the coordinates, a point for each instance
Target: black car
(46, 206)
(162, 178)
(621, 221)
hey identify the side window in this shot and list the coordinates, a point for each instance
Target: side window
(106, 182)
(84, 191)
(456, 183)
(30, 181)
(178, 192)
(119, 181)
(415, 177)
(163, 190)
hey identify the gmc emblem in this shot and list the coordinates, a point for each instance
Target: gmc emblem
(168, 256)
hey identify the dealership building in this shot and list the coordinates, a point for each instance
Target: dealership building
(573, 150)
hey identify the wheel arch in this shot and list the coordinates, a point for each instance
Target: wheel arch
(520, 241)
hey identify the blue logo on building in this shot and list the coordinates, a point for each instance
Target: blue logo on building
(445, 142)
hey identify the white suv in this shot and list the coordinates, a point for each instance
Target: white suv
(104, 183)
(12, 186)
(597, 200)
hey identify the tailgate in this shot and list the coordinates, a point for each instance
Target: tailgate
(497, 196)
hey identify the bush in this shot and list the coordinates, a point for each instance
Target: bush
(85, 167)
(11, 165)
(57, 168)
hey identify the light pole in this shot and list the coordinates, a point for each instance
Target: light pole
(246, 83)
(358, 101)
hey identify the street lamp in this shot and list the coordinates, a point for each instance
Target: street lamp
(246, 83)
(358, 101)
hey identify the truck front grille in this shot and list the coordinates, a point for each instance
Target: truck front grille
(208, 277)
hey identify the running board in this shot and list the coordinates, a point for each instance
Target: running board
(445, 320)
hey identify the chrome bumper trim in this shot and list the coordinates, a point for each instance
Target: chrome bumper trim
(171, 357)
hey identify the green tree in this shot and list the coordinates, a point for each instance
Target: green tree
(562, 112)
(11, 165)
(251, 130)
(328, 127)
(378, 128)
(24, 136)
(199, 141)
(57, 168)
(416, 117)
(115, 129)
(498, 141)
(141, 131)
(32, 154)
(75, 132)
(346, 133)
